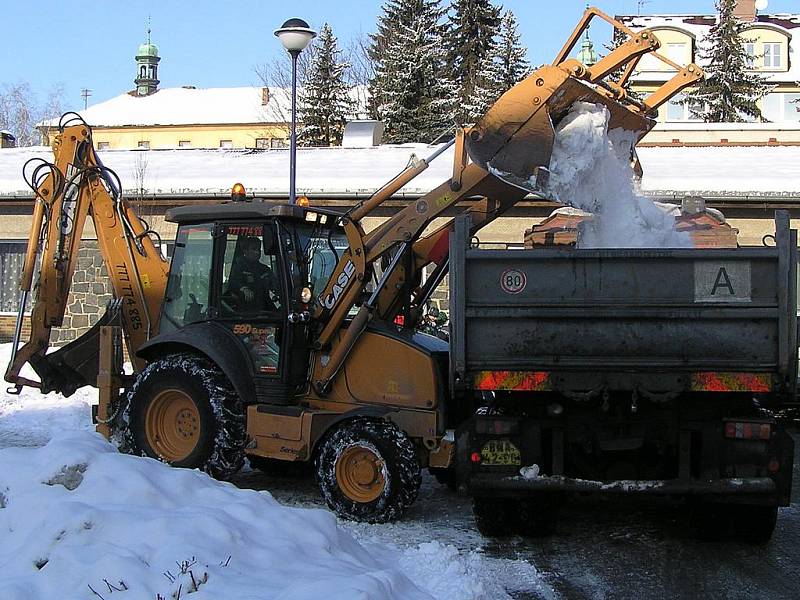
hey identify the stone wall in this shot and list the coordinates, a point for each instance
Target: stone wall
(91, 290)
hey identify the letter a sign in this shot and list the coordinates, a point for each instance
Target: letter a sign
(722, 281)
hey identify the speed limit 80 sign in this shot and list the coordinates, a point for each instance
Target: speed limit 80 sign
(513, 281)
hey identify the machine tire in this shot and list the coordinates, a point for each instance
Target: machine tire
(537, 516)
(494, 517)
(367, 470)
(754, 524)
(181, 397)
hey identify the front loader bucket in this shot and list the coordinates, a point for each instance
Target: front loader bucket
(514, 139)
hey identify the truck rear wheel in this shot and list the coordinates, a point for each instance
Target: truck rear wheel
(494, 517)
(537, 516)
(754, 524)
(367, 470)
(184, 411)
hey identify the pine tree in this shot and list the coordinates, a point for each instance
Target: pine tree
(410, 91)
(325, 99)
(471, 45)
(729, 92)
(511, 66)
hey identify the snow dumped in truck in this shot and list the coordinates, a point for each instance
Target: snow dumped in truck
(591, 169)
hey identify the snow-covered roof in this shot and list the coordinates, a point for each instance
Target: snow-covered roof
(350, 172)
(193, 106)
(699, 25)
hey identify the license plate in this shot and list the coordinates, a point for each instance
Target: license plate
(500, 452)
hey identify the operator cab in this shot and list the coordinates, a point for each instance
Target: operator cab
(241, 273)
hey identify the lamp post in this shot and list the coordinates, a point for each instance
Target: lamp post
(295, 35)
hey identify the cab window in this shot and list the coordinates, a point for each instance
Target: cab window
(187, 296)
(251, 282)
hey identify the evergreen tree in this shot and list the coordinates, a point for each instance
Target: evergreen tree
(730, 91)
(471, 46)
(410, 92)
(511, 66)
(325, 99)
(487, 86)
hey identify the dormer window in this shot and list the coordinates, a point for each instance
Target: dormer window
(772, 55)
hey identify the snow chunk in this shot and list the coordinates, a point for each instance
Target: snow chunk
(69, 476)
(531, 472)
(590, 169)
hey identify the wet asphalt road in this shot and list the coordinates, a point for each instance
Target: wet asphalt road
(604, 548)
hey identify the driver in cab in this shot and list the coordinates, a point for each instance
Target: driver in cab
(251, 281)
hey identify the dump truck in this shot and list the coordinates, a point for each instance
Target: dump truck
(274, 334)
(625, 371)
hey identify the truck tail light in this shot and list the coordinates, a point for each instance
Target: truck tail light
(745, 430)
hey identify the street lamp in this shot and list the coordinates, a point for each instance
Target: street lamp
(295, 35)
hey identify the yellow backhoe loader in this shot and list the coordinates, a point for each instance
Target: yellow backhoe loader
(273, 334)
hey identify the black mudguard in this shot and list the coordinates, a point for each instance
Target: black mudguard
(214, 341)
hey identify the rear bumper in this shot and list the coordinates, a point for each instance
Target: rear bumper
(481, 482)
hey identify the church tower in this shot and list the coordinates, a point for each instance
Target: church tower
(147, 68)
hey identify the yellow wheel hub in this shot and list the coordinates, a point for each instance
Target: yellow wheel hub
(359, 473)
(172, 425)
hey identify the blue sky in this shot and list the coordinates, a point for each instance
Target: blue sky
(211, 43)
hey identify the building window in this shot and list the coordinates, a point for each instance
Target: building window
(781, 107)
(677, 53)
(262, 143)
(226, 143)
(144, 145)
(791, 107)
(750, 51)
(278, 143)
(772, 56)
(184, 144)
(103, 145)
(12, 258)
(678, 111)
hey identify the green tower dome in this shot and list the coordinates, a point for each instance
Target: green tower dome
(147, 49)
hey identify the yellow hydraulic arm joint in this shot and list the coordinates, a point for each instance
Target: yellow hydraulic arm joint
(510, 149)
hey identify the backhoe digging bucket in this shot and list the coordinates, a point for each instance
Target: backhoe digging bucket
(514, 139)
(76, 364)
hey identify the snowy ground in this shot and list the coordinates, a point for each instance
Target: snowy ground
(283, 542)
(79, 519)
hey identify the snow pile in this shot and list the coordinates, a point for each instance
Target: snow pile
(591, 170)
(76, 513)
(32, 418)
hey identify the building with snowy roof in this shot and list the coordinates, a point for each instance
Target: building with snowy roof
(771, 40)
(149, 117)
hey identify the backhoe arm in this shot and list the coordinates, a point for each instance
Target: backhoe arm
(78, 185)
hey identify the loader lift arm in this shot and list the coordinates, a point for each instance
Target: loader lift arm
(65, 193)
(510, 149)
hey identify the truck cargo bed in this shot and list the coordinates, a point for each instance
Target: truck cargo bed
(621, 319)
